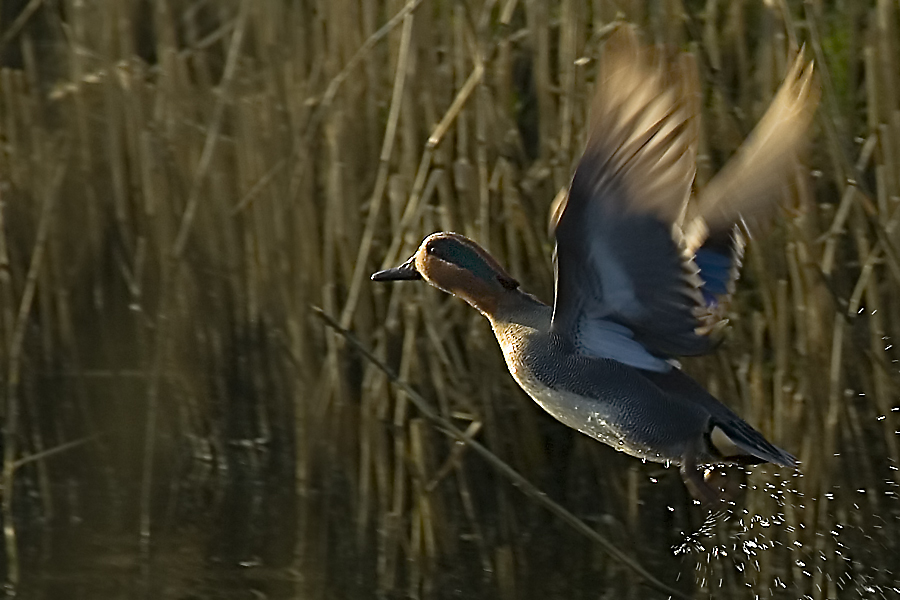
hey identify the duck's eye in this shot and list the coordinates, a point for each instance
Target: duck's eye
(440, 250)
(508, 282)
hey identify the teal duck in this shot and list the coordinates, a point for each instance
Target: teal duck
(643, 269)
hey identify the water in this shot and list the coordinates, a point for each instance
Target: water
(245, 533)
(243, 529)
(220, 536)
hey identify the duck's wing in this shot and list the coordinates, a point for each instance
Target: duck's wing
(750, 184)
(719, 260)
(641, 274)
(746, 190)
(625, 288)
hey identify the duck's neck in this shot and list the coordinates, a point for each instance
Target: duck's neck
(521, 309)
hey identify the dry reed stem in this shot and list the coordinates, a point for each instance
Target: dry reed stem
(9, 408)
(411, 210)
(212, 135)
(49, 191)
(360, 268)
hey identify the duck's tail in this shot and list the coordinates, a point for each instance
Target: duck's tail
(738, 442)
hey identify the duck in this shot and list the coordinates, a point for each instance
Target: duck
(644, 268)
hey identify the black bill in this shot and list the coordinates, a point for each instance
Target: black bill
(405, 272)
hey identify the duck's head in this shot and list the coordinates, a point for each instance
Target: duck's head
(456, 265)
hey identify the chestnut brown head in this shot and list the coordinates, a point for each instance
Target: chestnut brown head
(458, 266)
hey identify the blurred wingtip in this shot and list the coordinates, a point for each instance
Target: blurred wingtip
(556, 210)
(750, 184)
(643, 125)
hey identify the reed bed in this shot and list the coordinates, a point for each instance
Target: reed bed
(181, 181)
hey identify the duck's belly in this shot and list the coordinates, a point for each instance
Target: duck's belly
(606, 400)
(604, 419)
(602, 398)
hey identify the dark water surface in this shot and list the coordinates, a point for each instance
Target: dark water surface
(231, 536)
(237, 526)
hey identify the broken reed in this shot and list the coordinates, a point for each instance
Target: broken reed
(182, 180)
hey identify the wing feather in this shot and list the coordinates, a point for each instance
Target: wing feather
(628, 286)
